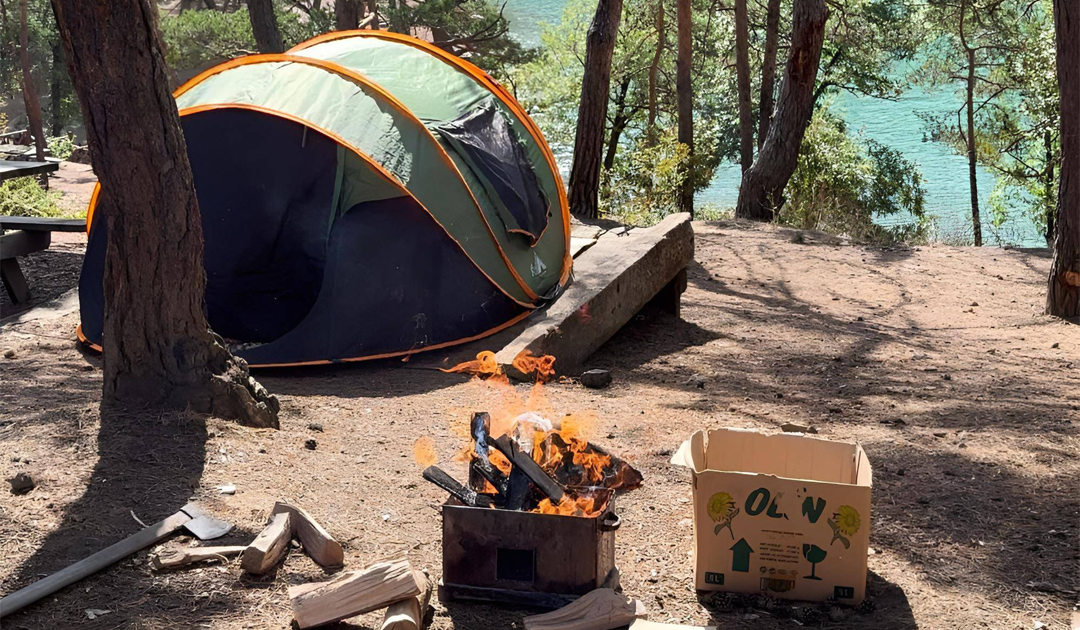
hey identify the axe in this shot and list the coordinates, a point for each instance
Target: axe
(190, 517)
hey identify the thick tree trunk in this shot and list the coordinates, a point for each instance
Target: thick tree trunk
(592, 110)
(158, 348)
(684, 99)
(618, 124)
(56, 97)
(373, 13)
(264, 26)
(763, 185)
(1063, 296)
(973, 184)
(742, 81)
(347, 14)
(768, 70)
(654, 74)
(30, 96)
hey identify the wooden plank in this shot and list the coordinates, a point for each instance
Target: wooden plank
(40, 224)
(21, 243)
(353, 593)
(269, 547)
(10, 169)
(177, 557)
(602, 609)
(613, 279)
(409, 614)
(88, 566)
(318, 543)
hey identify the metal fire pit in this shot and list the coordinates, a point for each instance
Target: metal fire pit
(525, 557)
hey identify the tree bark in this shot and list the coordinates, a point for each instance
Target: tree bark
(346, 14)
(592, 110)
(1063, 296)
(973, 183)
(618, 124)
(763, 185)
(1048, 186)
(684, 98)
(158, 348)
(654, 73)
(264, 26)
(742, 81)
(768, 70)
(30, 96)
(56, 96)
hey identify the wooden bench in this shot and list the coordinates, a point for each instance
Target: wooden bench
(26, 236)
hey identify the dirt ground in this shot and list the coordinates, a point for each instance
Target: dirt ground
(936, 359)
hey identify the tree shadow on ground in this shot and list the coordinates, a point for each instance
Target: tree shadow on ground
(148, 466)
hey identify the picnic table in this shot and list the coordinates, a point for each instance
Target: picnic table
(20, 236)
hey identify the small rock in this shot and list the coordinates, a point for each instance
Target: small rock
(310, 444)
(10, 353)
(859, 318)
(946, 377)
(791, 427)
(696, 380)
(315, 426)
(1055, 345)
(22, 483)
(596, 379)
(94, 613)
(262, 449)
(974, 304)
(900, 472)
(227, 489)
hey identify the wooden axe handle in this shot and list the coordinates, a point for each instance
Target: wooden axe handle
(88, 566)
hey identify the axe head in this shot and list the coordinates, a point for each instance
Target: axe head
(202, 525)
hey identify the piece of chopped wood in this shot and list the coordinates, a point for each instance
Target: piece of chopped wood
(602, 609)
(409, 614)
(353, 593)
(642, 624)
(269, 546)
(176, 557)
(318, 543)
(524, 462)
(468, 496)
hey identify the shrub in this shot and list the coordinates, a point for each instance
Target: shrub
(24, 197)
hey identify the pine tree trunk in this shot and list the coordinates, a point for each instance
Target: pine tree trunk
(742, 81)
(592, 110)
(973, 184)
(618, 124)
(763, 185)
(1048, 186)
(768, 70)
(264, 26)
(654, 73)
(56, 97)
(30, 96)
(684, 99)
(158, 348)
(346, 14)
(1063, 296)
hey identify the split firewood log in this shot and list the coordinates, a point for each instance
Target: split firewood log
(409, 614)
(269, 547)
(353, 593)
(318, 543)
(176, 557)
(602, 609)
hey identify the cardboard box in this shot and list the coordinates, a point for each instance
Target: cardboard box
(787, 515)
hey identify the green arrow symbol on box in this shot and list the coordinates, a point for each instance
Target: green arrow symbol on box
(740, 560)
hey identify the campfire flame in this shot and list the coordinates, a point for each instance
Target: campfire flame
(483, 365)
(573, 506)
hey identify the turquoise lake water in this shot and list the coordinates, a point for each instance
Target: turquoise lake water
(892, 123)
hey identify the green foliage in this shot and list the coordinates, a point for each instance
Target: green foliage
(843, 184)
(24, 197)
(61, 147)
(198, 39)
(643, 187)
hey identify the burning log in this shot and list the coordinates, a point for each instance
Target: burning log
(524, 463)
(269, 546)
(353, 593)
(602, 609)
(468, 496)
(580, 464)
(482, 472)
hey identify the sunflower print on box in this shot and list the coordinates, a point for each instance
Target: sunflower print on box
(722, 511)
(844, 523)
